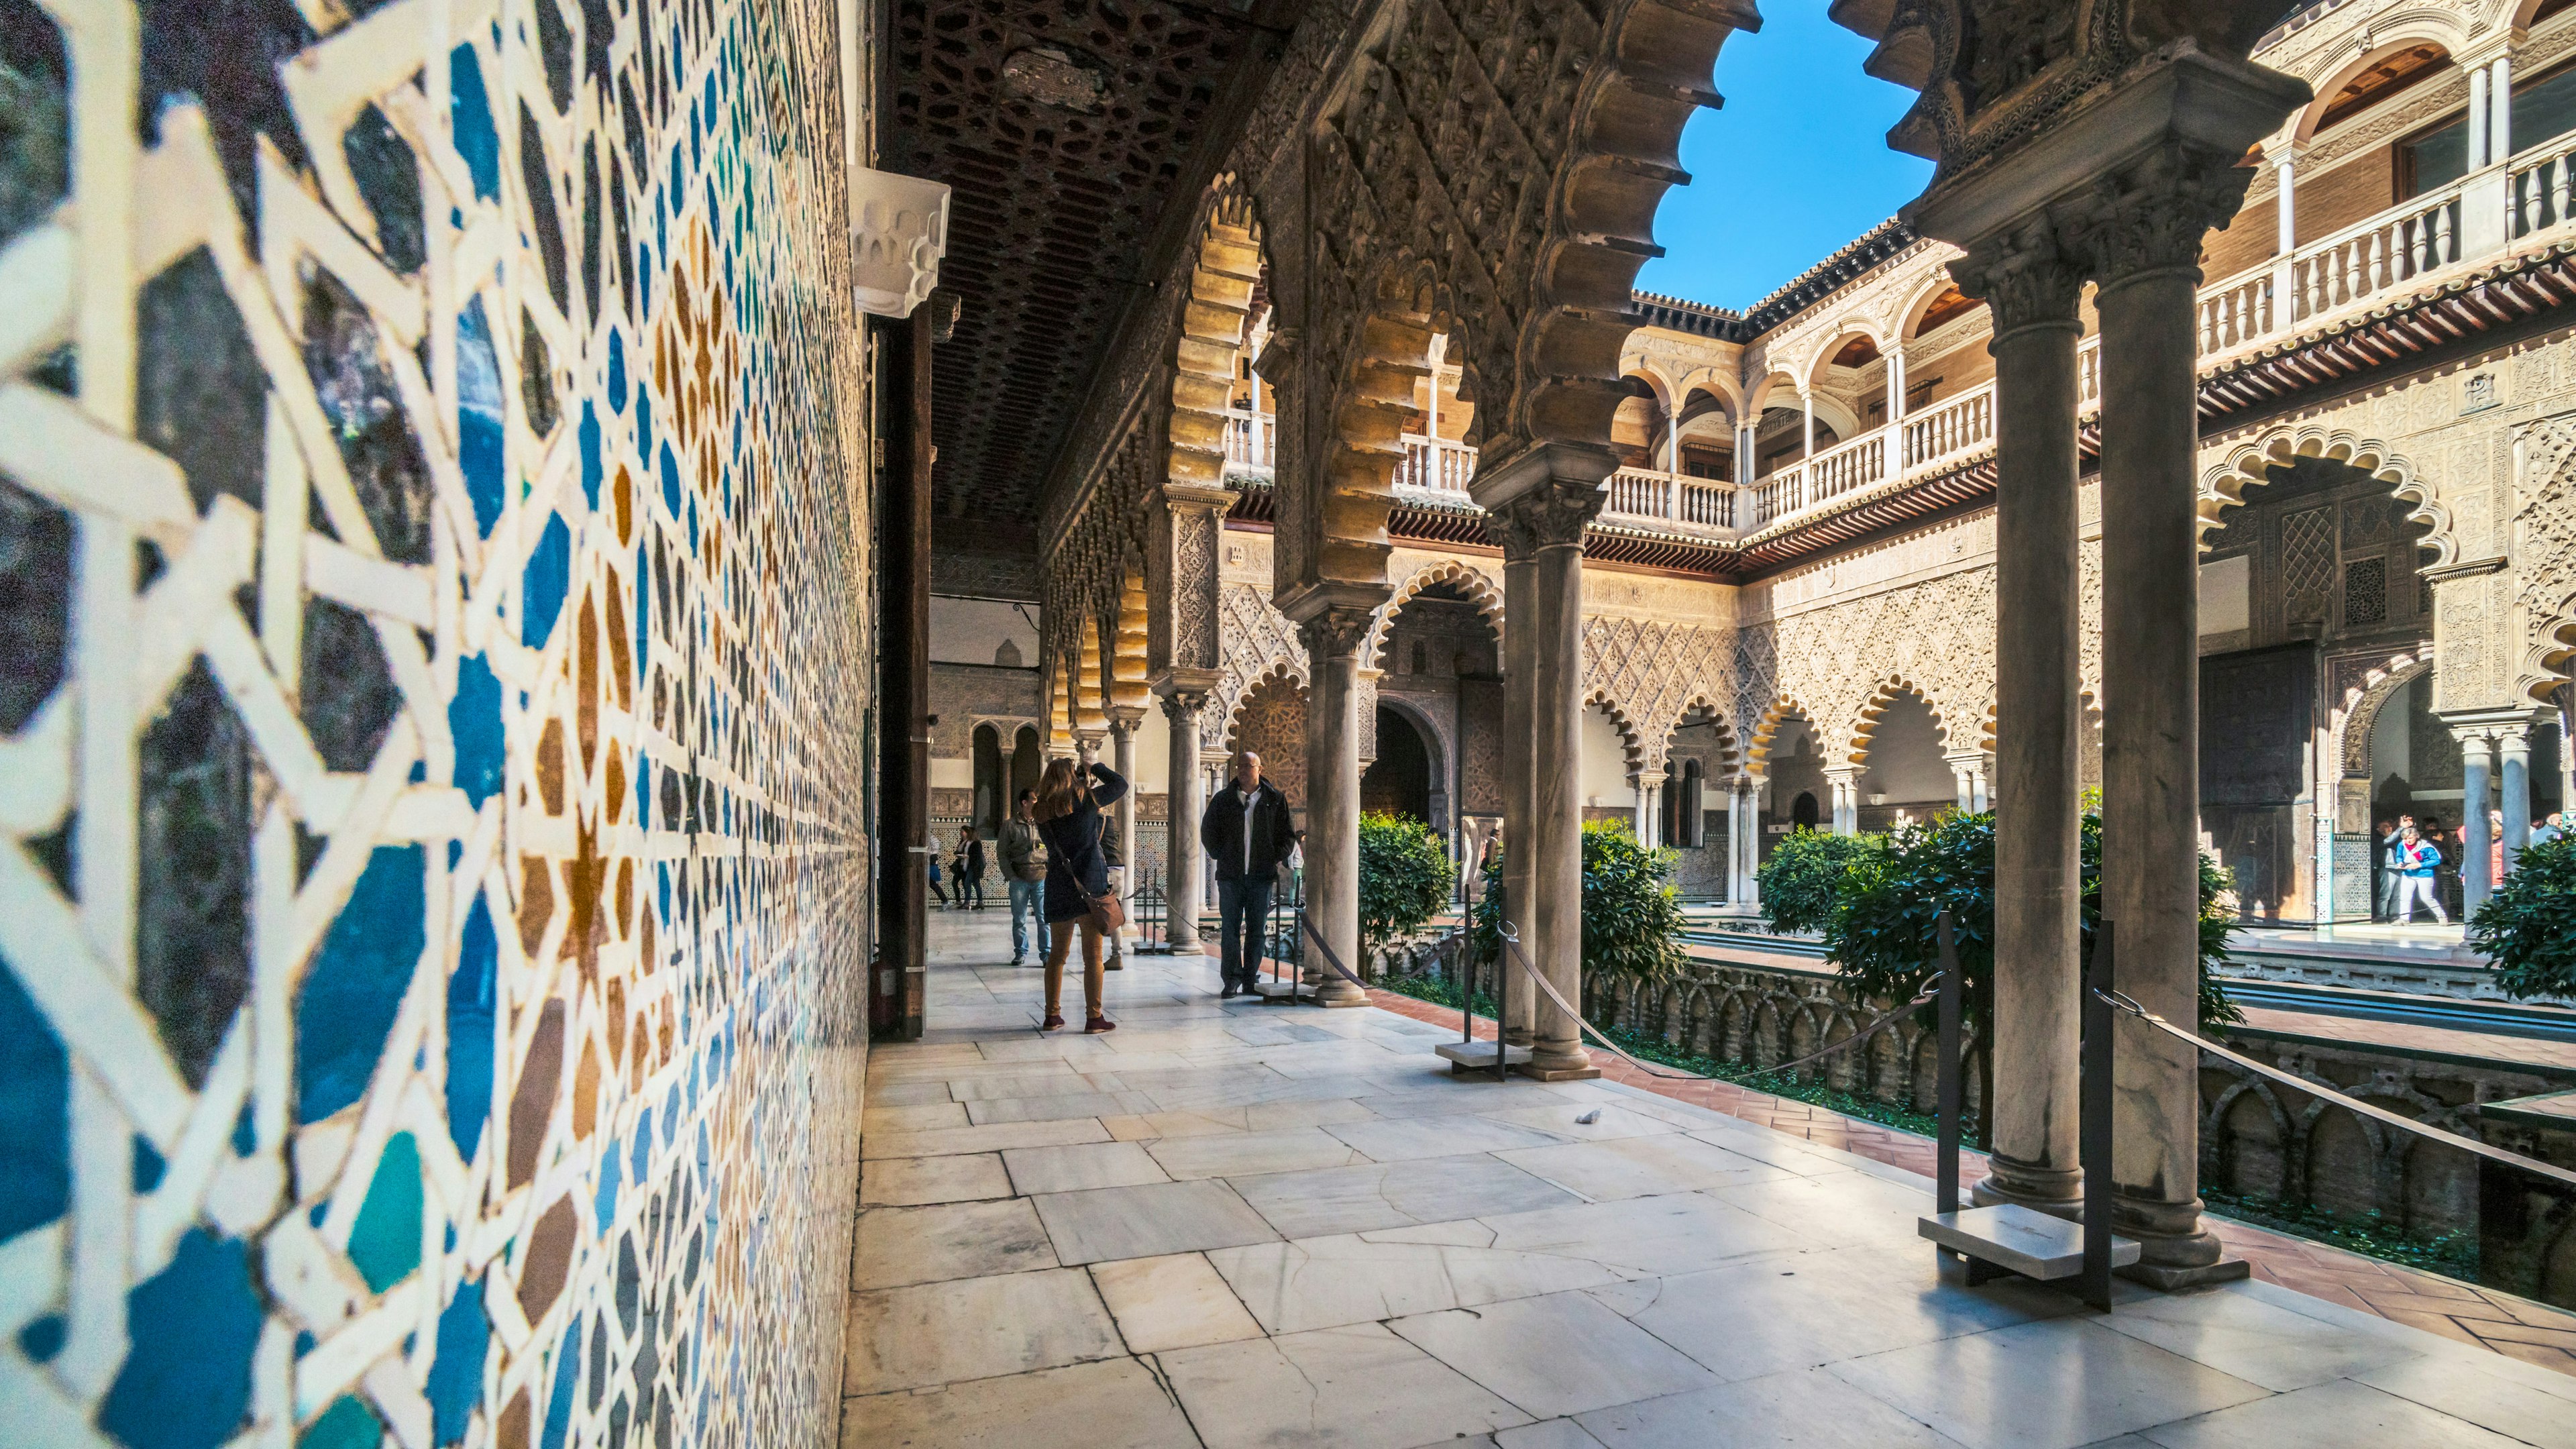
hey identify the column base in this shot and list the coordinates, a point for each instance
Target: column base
(2169, 1279)
(2176, 1250)
(2057, 1191)
(1559, 1065)
(1338, 992)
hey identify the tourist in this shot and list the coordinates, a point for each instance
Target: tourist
(1248, 832)
(970, 867)
(1070, 821)
(936, 893)
(2553, 828)
(1024, 873)
(2383, 859)
(2417, 860)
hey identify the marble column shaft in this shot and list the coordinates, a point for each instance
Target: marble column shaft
(2513, 778)
(1332, 638)
(1556, 794)
(2146, 239)
(1183, 805)
(1519, 766)
(2035, 1001)
(2477, 838)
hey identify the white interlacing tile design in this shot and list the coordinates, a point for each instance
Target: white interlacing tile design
(1291, 1227)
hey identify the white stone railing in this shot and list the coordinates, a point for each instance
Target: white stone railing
(1250, 438)
(1651, 498)
(1438, 465)
(2363, 263)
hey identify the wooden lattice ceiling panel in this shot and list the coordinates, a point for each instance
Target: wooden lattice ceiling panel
(1063, 126)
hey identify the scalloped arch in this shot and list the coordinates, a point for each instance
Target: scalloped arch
(1280, 672)
(2249, 464)
(1481, 591)
(1864, 721)
(1780, 711)
(2357, 713)
(1632, 740)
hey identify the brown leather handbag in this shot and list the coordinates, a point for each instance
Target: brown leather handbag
(1107, 913)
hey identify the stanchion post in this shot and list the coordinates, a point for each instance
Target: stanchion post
(1948, 1090)
(1502, 988)
(2094, 1119)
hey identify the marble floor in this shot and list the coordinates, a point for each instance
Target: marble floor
(1228, 1225)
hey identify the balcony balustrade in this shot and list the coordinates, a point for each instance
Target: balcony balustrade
(2526, 203)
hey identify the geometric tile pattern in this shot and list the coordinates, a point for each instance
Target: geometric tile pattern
(432, 734)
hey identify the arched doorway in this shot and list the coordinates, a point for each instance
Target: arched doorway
(1906, 778)
(991, 783)
(1399, 780)
(1028, 763)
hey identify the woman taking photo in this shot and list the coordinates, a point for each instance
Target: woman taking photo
(1070, 820)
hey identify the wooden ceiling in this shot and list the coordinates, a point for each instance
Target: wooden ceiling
(1067, 129)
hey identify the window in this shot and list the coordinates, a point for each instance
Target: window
(2433, 159)
(2543, 107)
(2365, 592)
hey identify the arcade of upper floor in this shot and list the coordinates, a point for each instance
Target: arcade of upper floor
(1861, 393)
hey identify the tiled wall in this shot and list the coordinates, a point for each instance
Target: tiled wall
(431, 733)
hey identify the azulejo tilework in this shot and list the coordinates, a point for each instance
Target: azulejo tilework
(432, 732)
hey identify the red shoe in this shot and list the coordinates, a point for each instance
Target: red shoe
(1099, 1023)
(1052, 1023)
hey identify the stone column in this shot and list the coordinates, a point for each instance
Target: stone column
(1332, 636)
(1843, 784)
(2476, 764)
(1122, 758)
(1520, 626)
(1183, 803)
(1744, 843)
(1550, 516)
(1649, 787)
(2513, 776)
(2031, 286)
(2145, 227)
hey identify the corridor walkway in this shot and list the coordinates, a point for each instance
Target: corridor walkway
(1237, 1225)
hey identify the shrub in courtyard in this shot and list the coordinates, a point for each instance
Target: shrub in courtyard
(1405, 878)
(1801, 879)
(1882, 934)
(2528, 926)
(1632, 912)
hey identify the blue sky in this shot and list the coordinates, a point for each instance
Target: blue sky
(1795, 165)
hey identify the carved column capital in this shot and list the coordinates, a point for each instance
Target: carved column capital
(1335, 632)
(1123, 719)
(2154, 214)
(2025, 275)
(1182, 706)
(1548, 517)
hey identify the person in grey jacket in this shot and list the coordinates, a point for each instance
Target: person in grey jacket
(1024, 871)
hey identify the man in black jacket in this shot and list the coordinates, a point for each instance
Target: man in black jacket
(1247, 831)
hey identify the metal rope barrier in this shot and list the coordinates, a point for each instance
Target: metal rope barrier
(2121, 1001)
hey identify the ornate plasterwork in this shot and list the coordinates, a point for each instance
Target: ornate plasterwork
(2544, 551)
(1936, 638)
(1481, 590)
(1652, 674)
(1259, 642)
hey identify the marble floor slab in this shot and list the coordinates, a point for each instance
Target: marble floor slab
(1394, 1194)
(1555, 1355)
(1035, 1170)
(912, 1181)
(1149, 1221)
(1172, 1302)
(974, 1328)
(1358, 1387)
(1640, 1166)
(899, 1245)
(1231, 1225)
(2054, 1384)
(1291, 1149)
(1110, 1404)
